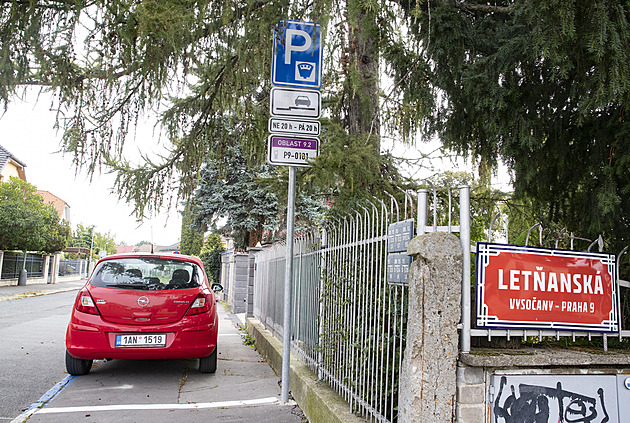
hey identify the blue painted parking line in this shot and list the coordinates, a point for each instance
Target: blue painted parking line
(44, 399)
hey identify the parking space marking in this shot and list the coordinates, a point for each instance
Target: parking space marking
(201, 405)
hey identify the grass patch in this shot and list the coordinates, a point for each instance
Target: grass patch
(245, 336)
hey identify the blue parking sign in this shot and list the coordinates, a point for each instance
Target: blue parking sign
(297, 55)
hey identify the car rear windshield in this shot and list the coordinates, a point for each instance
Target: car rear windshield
(146, 274)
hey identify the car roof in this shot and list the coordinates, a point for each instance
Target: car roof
(168, 256)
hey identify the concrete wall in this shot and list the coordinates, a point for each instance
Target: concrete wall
(29, 281)
(549, 385)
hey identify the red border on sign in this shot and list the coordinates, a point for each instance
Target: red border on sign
(537, 288)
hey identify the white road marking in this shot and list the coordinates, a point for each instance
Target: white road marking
(201, 405)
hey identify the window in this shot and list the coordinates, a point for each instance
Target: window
(147, 274)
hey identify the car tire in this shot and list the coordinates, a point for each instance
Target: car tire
(77, 366)
(209, 364)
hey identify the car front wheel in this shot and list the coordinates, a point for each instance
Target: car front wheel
(209, 364)
(77, 366)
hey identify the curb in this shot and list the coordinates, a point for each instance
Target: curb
(34, 293)
(318, 401)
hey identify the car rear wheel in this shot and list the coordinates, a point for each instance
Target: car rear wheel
(77, 366)
(209, 364)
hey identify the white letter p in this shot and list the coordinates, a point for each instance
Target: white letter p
(289, 43)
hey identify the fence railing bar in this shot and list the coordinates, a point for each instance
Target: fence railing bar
(539, 226)
(489, 235)
(353, 374)
(393, 203)
(464, 222)
(626, 284)
(367, 283)
(450, 223)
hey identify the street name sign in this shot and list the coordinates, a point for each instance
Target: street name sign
(296, 127)
(291, 151)
(297, 55)
(537, 288)
(297, 103)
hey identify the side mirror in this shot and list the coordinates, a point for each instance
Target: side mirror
(217, 287)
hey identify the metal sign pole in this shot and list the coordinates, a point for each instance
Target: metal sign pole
(288, 285)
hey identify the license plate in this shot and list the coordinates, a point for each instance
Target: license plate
(141, 340)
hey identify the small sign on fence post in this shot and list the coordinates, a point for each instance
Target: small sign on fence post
(399, 235)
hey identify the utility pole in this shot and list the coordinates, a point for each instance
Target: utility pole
(87, 274)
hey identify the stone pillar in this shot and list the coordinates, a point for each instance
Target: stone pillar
(46, 268)
(428, 381)
(226, 267)
(237, 293)
(54, 269)
(250, 280)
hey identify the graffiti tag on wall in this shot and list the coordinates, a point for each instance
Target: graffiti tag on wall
(541, 399)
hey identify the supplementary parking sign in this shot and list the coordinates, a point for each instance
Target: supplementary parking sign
(291, 151)
(291, 102)
(309, 128)
(297, 55)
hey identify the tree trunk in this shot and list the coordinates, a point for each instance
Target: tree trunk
(363, 84)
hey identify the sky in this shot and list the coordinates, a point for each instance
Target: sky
(26, 130)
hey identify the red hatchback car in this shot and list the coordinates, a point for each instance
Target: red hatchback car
(144, 306)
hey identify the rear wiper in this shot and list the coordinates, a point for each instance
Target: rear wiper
(126, 285)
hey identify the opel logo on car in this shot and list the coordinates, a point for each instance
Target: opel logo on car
(143, 301)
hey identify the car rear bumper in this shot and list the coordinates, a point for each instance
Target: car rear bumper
(89, 337)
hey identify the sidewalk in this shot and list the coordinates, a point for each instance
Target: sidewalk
(14, 292)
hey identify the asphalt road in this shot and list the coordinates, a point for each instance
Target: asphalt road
(32, 331)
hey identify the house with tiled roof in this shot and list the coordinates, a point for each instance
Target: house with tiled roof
(10, 166)
(63, 209)
(123, 249)
(48, 270)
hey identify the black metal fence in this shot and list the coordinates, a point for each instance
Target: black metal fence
(69, 267)
(12, 264)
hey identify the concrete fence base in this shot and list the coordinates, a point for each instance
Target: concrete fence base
(318, 401)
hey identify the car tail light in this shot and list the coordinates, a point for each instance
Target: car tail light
(84, 302)
(201, 304)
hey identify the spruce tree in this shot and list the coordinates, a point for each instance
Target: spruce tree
(543, 85)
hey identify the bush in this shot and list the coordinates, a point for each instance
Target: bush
(211, 257)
